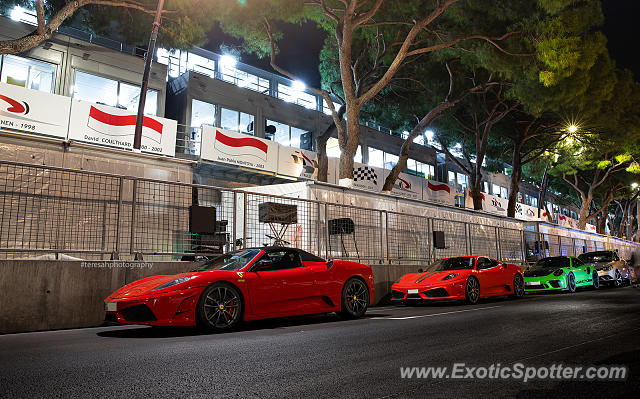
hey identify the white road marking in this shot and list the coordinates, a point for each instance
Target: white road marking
(434, 314)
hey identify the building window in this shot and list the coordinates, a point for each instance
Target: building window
(420, 169)
(499, 191)
(376, 157)
(289, 135)
(28, 73)
(236, 121)
(390, 160)
(531, 200)
(485, 187)
(202, 113)
(100, 90)
(463, 181)
(289, 94)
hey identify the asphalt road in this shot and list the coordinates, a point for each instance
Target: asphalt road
(322, 356)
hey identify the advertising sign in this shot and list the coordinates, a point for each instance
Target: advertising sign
(104, 125)
(438, 192)
(567, 221)
(493, 204)
(527, 212)
(406, 186)
(367, 177)
(238, 149)
(33, 111)
(297, 163)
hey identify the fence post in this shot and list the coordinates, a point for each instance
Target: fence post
(133, 217)
(467, 238)
(326, 230)
(523, 246)
(318, 229)
(432, 248)
(235, 217)
(116, 253)
(384, 236)
(498, 247)
(244, 220)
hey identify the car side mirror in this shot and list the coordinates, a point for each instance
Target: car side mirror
(420, 270)
(504, 265)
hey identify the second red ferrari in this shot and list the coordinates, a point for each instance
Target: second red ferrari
(467, 278)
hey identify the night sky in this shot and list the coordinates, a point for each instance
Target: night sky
(300, 48)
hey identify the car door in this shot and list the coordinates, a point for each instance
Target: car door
(279, 283)
(489, 276)
(579, 270)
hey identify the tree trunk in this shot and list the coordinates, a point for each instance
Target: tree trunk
(476, 195)
(514, 187)
(349, 146)
(584, 212)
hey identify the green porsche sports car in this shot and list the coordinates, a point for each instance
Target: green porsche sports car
(562, 273)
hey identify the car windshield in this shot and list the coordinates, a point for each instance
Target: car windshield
(464, 262)
(231, 261)
(555, 262)
(602, 256)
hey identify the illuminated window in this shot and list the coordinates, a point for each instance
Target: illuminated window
(289, 94)
(376, 157)
(100, 90)
(236, 121)
(499, 191)
(333, 150)
(28, 73)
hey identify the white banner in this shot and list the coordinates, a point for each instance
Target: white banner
(406, 186)
(297, 163)
(591, 228)
(367, 177)
(494, 204)
(527, 212)
(34, 111)
(438, 192)
(103, 125)
(238, 149)
(567, 221)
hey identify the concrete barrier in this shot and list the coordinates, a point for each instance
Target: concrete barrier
(41, 295)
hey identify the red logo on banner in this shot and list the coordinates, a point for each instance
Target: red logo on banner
(403, 184)
(16, 107)
(123, 120)
(438, 187)
(241, 146)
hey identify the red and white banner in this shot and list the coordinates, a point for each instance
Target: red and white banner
(438, 192)
(494, 204)
(406, 186)
(104, 125)
(529, 213)
(567, 221)
(33, 111)
(238, 149)
(297, 163)
(590, 228)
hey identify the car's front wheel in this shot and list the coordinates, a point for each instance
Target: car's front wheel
(219, 307)
(571, 282)
(472, 290)
(518, 286)
(596, 280)
(355, 299)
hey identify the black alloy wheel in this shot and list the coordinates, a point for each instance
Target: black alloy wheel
(596, 280)
(472, 290)
(571, 283)
(518, 286)
(219, 307)
(355, 299)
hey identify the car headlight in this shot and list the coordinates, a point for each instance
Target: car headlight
(450, 276)
(558, 272)
(171, 283)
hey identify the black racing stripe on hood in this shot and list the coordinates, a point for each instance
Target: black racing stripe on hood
(425, 276)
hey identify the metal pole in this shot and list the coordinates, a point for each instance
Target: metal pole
(118, 212)
(137, 138)
(235, 219)
(133, 217)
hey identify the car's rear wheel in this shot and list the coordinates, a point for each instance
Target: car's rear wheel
(618, 280)
(571, 282)
(219, 307)
(355, 299)
(518, 286)
(472, 290)
(596, 280)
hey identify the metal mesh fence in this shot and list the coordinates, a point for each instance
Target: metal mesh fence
(56, 210)
(408, 238)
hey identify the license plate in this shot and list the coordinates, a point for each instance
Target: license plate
(412, 291)
(111, 306)
(533, 283)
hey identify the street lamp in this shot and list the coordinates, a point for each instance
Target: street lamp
(572, 129)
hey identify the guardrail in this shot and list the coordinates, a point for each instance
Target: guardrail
(95, 215)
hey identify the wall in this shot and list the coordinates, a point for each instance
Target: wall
(44, 295)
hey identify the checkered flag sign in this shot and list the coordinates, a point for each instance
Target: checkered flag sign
(362, 173)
